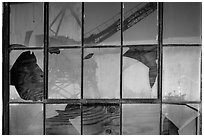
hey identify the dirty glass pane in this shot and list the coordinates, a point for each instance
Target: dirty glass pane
(140, 119)
(101, 73)
(26, 119)
(101, 119)
(140, 72)
(26, 22)
(64, 24)
(140, 23)
(181, 73)
(102, 23)
(63, 119)
(64, 74)
(26, 75)
(180, 119)
(182, 22)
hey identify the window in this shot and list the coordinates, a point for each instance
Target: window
(102, 68)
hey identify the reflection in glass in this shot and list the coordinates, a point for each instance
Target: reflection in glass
(26, 119)
(64, 77)
(181, 73)
(26, 75)
(101, 120)
(140, 119)
(140, 72)
(26, 21)
(182, 22)
(63, 119)
(140, 23)
(102, 23)
(180, 119)
(101, 73)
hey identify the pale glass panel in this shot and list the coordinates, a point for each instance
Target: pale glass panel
(180, 119)
(63, 119)
(26, 21)
(64, 23)
(101, 73)
(140, 119)
(64, 77)
(181, 73)
(140, 72)
(26, 119)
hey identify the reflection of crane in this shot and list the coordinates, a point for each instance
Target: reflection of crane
(132, 17)
(111, 26)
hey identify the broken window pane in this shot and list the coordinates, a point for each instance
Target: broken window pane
(63, 119)
(26, 119)
(140, 72)
(64, 24)
(26, 75)
(140, 119)
(180, 119)
(182, 22)
(140, 23)
(101, 119)
(181, 73)
(102, 23)
(64, 76)
(26, 21)
(101, 73)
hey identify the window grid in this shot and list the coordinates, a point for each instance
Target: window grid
(82, 101)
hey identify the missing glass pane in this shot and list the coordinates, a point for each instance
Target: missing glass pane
(26, 119)
(140, 23)
(102, 23)
(181, 73)
(63, 119)
(101, 119)
(26, 21)
(64, 77)
(140, 119)
(180, 119)
(26, 75)
(140, 72)
(101, 73)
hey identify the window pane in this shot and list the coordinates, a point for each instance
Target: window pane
(181, 73)
(63, 119)
(64, 76)
(26, 119)
(182, 22)
(141, 119)
(26, 75)
(102, 23)
(26, 21)
(140, 23)
(101, 119)
(180, 119)
(101, 73)
(64, 24)
(140, 72)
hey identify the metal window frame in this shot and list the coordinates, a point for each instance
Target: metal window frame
(82, 101)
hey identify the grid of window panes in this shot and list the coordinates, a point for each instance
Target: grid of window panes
(105, 68)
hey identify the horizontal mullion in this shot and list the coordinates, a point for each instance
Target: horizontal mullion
(102, 46)
(181, 102)
(138, 101)
(65, 47)
(26, 48)
(36, 102)
(177, 45)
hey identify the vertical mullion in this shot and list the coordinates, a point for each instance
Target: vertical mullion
(46, 43)
(160, 42)
(121, 63)
(82, 63)
(5, 67)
